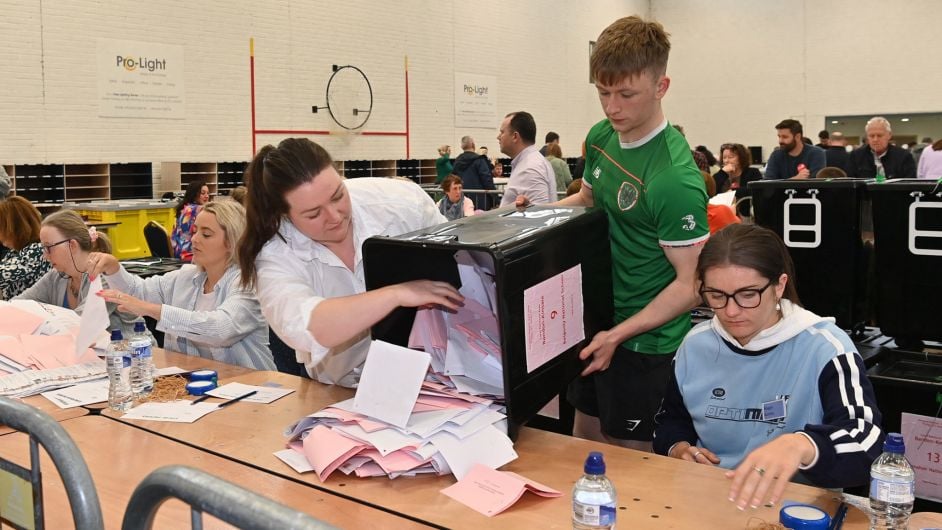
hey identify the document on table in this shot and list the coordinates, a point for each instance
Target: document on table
(553, 317)
(170, 370)
(923, 435)
(180, 411)
(491, 492)
(488, 446)
(263, 394)
(78, 395)
(94, 318)
(377, 398)
(16, 321)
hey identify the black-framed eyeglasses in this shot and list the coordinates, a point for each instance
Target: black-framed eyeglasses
(745, 298)
(47, 249)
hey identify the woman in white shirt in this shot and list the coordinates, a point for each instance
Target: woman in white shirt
(302, 252)
(202, 308)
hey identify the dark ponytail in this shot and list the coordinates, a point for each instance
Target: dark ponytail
(193, 190)
(752, 247)
(273, 173)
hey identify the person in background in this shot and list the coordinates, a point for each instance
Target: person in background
(767, 389)
(579, 169)
(919, 148)
(531, 175)
(930, 162)
(66, 244)
(23, 264)
(710, 158)
(879, 156)
(835, 154)
(476, 173)
(201, 307)
(238, 194)
(551, 139)
(498, 170)
(736, 174)
(302, 252)
(794, 158)
(719, 216)
(560, 168)
(824, 138)
(5, 184)
(443, 165)
(454, 205)
(197, 194)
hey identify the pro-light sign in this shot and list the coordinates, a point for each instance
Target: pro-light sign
(140, 80)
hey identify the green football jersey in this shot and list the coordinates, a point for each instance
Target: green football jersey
(654, 197)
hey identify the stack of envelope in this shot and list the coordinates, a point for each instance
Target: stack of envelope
(399, 424)
(34, 338)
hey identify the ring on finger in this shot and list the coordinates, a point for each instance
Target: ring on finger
(759, 470)
(698, 453)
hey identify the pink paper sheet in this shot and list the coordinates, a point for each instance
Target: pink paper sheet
(490, 492)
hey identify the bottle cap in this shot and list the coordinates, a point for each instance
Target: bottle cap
(116, 334)
(204, 375)
(804, 517)
(594, 464)
(198, 388)
(139, 326)
(894, 443)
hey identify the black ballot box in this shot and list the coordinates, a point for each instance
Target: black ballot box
(821, 224)
(907, 230)
(522, 249)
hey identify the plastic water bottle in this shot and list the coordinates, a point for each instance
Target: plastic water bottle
(593, 497)
(892, 486)
(142, 361)
(118, 360)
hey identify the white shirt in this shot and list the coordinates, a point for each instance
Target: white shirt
(295, 273)
(531, 175)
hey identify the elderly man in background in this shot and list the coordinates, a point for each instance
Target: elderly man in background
(879, 156)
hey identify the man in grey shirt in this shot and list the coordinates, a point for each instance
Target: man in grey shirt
(531, 175)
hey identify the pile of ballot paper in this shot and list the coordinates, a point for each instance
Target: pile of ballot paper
(399, 424)
(465, 346)
(43, 347)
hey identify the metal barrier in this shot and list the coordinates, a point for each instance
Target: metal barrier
(206, 493)
(78, 483)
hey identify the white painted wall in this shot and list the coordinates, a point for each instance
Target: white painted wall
(537, 49)
(741, 66)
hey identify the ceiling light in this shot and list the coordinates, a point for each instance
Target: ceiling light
(835, 121)
(904, 119)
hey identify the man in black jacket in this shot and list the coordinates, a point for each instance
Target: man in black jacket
(475, 173)
(879, 156)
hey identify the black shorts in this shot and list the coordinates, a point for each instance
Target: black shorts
(627, 395)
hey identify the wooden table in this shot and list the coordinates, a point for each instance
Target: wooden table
(119, 457)
(50, 408)
(653, 491)
(163, 358)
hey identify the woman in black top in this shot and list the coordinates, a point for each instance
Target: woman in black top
(736, 174)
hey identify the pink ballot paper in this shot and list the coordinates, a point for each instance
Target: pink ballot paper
(490, 491)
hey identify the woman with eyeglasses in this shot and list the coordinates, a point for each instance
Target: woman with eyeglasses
(23, 265)
(766, 389)
(66, 243)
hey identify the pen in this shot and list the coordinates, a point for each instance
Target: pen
(838, 520)
(204, 397)
(233, 400)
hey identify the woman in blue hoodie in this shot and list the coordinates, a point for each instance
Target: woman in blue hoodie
(767, 389)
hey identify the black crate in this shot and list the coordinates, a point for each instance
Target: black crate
(525, 252)
(907, 229)
(821, 224)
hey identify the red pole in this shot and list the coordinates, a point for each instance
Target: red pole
(252, 84)
(407, 107)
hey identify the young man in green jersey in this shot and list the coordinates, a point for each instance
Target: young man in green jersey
(640, 172)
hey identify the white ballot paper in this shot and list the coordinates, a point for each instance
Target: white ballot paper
(78, 395)
(379, 399)
(94, 318)
(181, 411)
(263, 394)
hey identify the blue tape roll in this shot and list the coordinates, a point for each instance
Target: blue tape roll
(204, 375)
(804, 517)
(198, 388)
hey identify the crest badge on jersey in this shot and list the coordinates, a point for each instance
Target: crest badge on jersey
(627, 196)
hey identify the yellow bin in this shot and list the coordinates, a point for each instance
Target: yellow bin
(124, 222)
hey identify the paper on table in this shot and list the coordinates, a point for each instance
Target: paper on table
(488, 446)
(15, 321)
(54, 351)
(263, 394)
(94, 317)
(553, 317)
(12, 349)
(491, 492)
(296, 460)
(78, 395)
(326, 450)
(923, 436)
(377, 398)
(180, 411)
(169, 370)
(727, 198)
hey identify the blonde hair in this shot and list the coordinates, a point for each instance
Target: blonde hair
(71, 225)
(231, 218)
